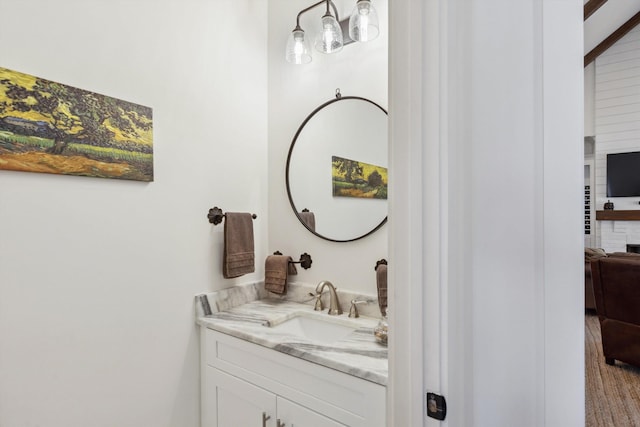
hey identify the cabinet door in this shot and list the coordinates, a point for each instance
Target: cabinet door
(236, 403)
(293, 415)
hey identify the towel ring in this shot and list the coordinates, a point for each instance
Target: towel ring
(305, 260)
(216, 215)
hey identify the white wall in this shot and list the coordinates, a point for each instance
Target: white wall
(523, 181)
(525, 270)
(589, 99)
(97, 276)
(360, 69)
(617, 129)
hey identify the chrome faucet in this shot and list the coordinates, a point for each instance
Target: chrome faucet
(334, 303)
(353, 310)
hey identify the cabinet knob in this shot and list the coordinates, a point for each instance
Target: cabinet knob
(265, 418)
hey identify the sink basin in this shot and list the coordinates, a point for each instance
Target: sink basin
(315, 329)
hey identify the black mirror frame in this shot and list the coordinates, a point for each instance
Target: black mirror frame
(293, 143)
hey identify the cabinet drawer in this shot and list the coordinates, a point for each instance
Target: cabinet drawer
(349, 400)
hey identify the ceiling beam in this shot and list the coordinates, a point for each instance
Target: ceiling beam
(612, 39)
(591, 6)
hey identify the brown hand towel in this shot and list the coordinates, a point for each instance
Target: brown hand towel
(381, 282)
(238, 257)
(276, 270)
(309, 219)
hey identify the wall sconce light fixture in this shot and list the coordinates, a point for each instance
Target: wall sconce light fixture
(362, 27)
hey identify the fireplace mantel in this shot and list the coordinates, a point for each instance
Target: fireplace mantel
(613, 215)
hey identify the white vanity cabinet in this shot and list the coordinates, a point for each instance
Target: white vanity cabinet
(299, 416)
(234, 402)
(246, 385)
(239, 403)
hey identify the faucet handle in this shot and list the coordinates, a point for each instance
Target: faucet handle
(318, 306)
(353, 310)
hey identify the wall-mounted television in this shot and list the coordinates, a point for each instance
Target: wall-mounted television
(623, 174)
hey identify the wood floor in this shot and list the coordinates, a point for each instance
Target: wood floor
(612, 392)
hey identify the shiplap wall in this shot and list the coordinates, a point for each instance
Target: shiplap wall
(617, 126)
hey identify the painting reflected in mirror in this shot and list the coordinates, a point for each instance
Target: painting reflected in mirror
(351, 178)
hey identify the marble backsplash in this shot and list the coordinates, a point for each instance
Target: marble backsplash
(235, 296)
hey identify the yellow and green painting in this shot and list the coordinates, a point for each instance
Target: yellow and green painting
(50, 127)
(352, 178)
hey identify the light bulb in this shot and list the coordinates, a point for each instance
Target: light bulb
(298, 48)
(363, 23)
(330, 39)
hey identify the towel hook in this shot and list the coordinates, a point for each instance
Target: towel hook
(305, 260)
(381, 262)
(216, 215)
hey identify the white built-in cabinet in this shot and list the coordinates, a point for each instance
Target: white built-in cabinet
(240, 403)
(244, 384)
(299, 416)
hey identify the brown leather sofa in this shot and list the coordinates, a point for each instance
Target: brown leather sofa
(616, 286)
(589, 255)
(589, 298)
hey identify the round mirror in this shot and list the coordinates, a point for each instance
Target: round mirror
(337, 169)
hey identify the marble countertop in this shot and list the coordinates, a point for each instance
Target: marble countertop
(358, 354)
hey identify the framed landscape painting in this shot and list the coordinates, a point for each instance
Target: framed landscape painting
(50, 127)
(351, 178)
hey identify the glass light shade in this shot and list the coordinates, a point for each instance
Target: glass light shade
(298, 48)
(330, 39)
(363, 23)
